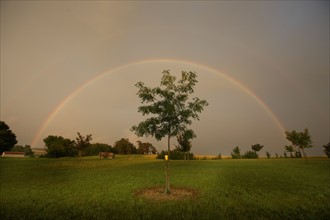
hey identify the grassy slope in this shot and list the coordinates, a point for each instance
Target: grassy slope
(39, 188)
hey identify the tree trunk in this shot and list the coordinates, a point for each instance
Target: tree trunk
(304, 153)
(167, 167)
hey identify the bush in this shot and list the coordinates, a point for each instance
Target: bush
(236, 153)
(250, 155)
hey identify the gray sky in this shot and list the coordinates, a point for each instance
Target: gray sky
(71, 66)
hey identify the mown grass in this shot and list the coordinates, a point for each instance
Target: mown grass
(67, 188)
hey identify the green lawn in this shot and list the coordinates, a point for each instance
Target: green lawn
(40, 188)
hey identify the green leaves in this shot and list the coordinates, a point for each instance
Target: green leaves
(300, 139)
(169, 105)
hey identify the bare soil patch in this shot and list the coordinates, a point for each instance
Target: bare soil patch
(158, 193)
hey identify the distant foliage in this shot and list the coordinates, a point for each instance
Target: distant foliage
(26, 149)
(301, 140)
(257, 147)
(289, 149)
(250, 155)
(58, 146)
(95, 149)
(124, 146)
(236, 153)
(145, 148)
(7, 137)
(268, 154)
(327, 149)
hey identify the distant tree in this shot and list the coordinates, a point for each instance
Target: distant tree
(146, 148)
(301, 140)
(95, 149)
(58, 146)
(17, 148)
(184, 142)
(82, 142)
(171, 109)
(289, 149)
(26, 149)
(250, 154)
(7, 137)
(276, 155)
(268, 154)
(124, 146)
(257, 148)
(236, 153)
(327, 149)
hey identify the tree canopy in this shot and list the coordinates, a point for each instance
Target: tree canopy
(146, 148)
(171, 109)
(257, 147)
(301, 140)
(124, 146)
(58, 146)
(236, 153)
(7, 137)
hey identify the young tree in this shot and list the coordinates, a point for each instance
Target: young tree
(7, 137)
(268, 155)
(257, 148)
(301, 140)
(236, 153)
(82, 142)
(184, 143)
(327, 149)
(171, 109)
(28, 151)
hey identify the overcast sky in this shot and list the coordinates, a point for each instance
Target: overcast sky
(71, 66)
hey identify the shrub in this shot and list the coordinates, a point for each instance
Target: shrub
(236, 153)
(250, 155)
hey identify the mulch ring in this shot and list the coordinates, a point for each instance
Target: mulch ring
(158, 193)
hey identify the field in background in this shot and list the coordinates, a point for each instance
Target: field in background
(41, 188)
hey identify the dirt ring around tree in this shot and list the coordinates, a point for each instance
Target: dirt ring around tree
(158, 193)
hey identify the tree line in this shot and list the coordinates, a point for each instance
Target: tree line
(58, 146)
(299, 142)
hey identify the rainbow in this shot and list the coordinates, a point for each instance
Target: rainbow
(80, 88)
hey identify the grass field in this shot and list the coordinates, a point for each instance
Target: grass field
(40, 188)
